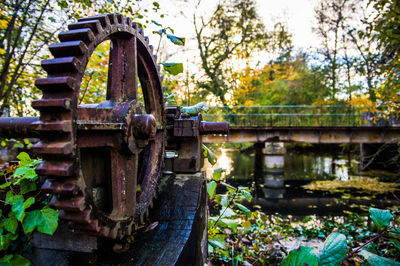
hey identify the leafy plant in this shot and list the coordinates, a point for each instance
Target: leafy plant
(24, 210)
(335, 246)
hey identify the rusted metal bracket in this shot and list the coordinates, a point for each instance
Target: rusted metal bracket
(184, 133)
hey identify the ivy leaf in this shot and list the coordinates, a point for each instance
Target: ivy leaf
(7, 184)
(212, 158)
(173, 68)
(377, 260)
(49, 221)
(217, 174)
(32, 219)
(223, 200)
(380, 217)
(232, 224)
(227, 212)
(11, 198)
(241, 207)
(301, 257)
(334, 250)
(24, 172)
(10, 224)
(26, 186)
(247, 195)
(217, 243)
(24, 158)
(211, 187)
(155, 22)
(230, 188)
(176, 40)
(159, 32)
(20, 206)
(6, 259)
(18, 260)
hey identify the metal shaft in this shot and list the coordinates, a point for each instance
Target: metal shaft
(17, 127)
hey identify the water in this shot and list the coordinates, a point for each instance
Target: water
(314, 183)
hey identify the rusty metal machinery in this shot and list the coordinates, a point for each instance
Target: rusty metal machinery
(103, 162)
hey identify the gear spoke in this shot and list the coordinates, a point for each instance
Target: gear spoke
(122, 75)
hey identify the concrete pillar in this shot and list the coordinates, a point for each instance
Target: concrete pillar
(274, 161)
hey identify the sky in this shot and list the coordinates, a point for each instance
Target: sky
(297, 14)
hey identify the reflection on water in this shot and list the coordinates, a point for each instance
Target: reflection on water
(300, 170)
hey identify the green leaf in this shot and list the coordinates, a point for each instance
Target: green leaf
(195, 109)
(32, 219)
(49, 221)
(217, 174)
(212, 158)
(303, 256)
(223, 200)
(24, 158)
(227, 212)
(377, 260)
(380, 217)
(26, 186)
(7, 184)
(18, 260)
(241, 207)
(10, 224)
(156, 23)
(247, 195)
(173, 68)
(159, 32)
(334, 250)
(25, 172)
(6, 258)
(229, 187)
(211, 187)
(11, 198)
(217, 243)
(176, 40)
(396, 243)
(232, 224)
(20, 206)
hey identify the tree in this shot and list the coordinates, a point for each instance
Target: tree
(233, 31)
(385, 29)
(332, 20)
(290, 82)
(23, 33)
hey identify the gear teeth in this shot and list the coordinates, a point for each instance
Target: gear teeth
(79, 217)
(146, 39)
(63, 104)
(151, 49)
(104, 20)
(76, 204)
(104, 231)
(59, 147)
(56, 84)
(155, 57)
(60, 188)
(61, 65)
(113, 233)
(134, 25)
(141, 31)
(91, 228)
(85, 35)
(128, 22)
(55, 168)
(94, 25)
(57, 126)
(158, 68)
(141, 219)
(70, 48)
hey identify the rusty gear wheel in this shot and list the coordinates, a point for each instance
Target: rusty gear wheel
(98, 156)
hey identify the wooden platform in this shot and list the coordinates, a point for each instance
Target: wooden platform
(180, 237)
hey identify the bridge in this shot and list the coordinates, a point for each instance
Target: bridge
(302, 123)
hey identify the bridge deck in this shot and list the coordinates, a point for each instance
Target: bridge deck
(242, 134)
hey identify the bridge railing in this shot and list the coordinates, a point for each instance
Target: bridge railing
(292, 116)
